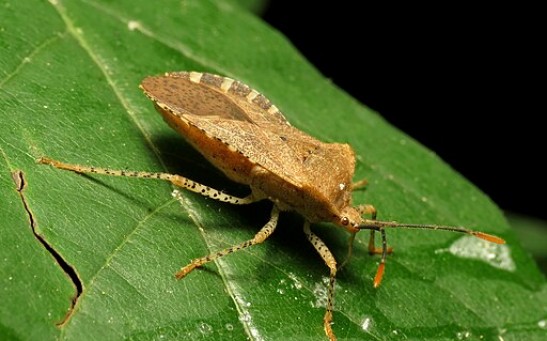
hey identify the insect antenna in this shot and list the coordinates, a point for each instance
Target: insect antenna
(378, 225)
(370, 224)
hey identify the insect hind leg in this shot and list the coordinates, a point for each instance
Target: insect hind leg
(260, 237)
(175, 179)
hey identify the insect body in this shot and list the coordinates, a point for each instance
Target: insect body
(239, 131)
(244, 135)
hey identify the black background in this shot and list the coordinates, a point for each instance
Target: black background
(463, 80)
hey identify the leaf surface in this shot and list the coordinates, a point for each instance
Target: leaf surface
(69, 75)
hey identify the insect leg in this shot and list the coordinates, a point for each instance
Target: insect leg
(363, 209)
(359, 184)
(260, 237)
(176, 180)
(369, 210)
(350, 250)
(328, 258)
(372, 249)
(380, 272)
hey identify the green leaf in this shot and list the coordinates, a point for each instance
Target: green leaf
(533, 234)
(254, 6)
(69, 75)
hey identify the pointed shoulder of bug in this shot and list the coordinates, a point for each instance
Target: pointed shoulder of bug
(254, 141)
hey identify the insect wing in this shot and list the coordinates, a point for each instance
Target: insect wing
(240, 117)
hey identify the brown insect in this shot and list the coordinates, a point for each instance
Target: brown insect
(244, 135)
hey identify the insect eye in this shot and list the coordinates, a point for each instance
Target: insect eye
(344, 220)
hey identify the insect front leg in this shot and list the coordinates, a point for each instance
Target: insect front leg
(359, 184)
(372, 249)
(329, 259)
(260, 237)
(176, 180)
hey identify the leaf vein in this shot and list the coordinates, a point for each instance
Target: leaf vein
(25, 60)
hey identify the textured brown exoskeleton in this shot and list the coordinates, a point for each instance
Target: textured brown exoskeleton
(244, 135)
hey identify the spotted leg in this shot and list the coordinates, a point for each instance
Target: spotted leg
(260, 237)
(328, 258)
(176, 180)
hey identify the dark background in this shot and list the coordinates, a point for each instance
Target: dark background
(463, 80)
